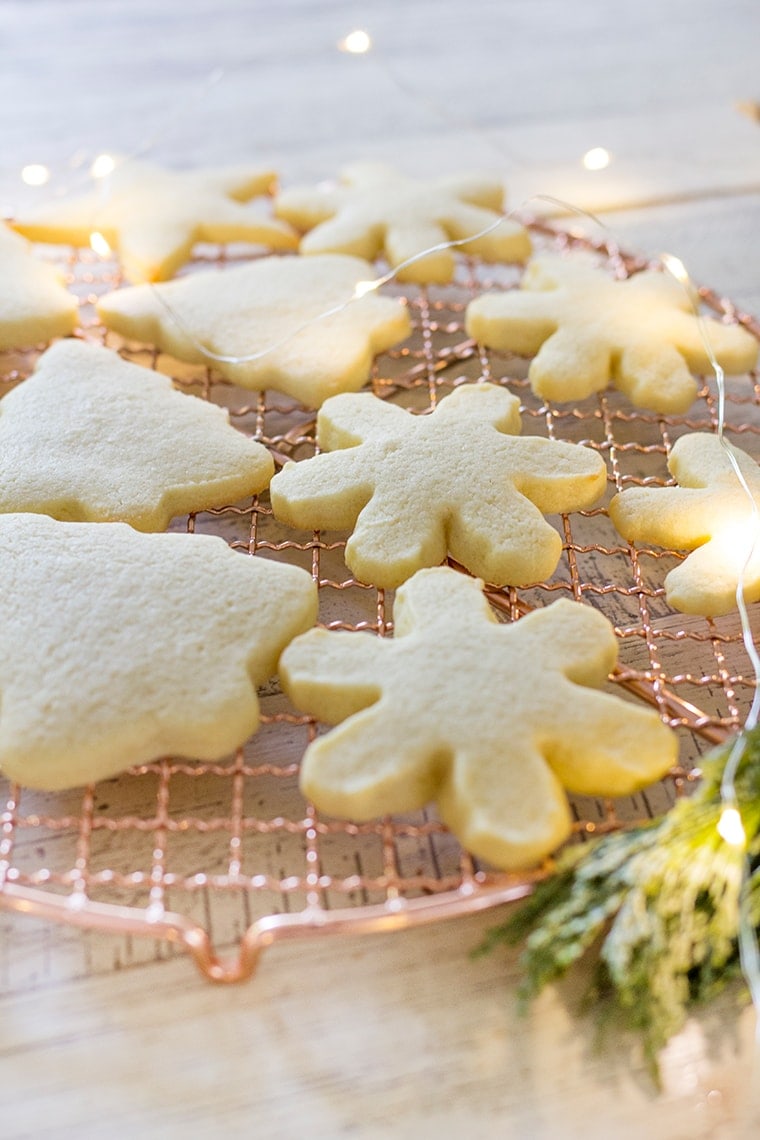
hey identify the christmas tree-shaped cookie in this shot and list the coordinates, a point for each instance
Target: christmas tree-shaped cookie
(91, 437)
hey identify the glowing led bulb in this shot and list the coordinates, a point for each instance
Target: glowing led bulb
(99, 244)
(731, 828)
(363, 287)
(35, 174)
(597, 158)
(102, 166)
(676, 267)
(357, 43)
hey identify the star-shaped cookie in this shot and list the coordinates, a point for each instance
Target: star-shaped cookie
(459, 481)
(376, 210)
(589, 330)
(34, 305)
(93, 438)
(491, 721)
(120, 647)
(293, 321)
(153, 217)
(708, 513)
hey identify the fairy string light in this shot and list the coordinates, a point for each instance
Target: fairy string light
(731, 809)
(730, 824)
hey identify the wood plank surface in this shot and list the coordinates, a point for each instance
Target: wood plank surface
(396, 1035)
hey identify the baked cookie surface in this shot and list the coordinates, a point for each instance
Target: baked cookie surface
(90, 437)
(588, 330)
(708, 513)
(376, 210)
(120, 647)
(460, 481)
(490, 721)
(292, 320)
(154, 216)
(34, 305)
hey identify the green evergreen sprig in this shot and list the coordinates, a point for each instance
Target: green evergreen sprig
(659, 904)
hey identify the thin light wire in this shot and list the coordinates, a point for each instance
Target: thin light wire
(361, 290)
(248, 358)
(444, 114)
(364, 287)
(747, 638)
(176, 113)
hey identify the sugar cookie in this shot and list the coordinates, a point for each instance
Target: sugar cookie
(377, 210)
(489, 720)
(153, 217)
(90, 437)
(589, 330)
(710, 514)
(34, 305)
(277, 304)
(120, 647)
(459, 481)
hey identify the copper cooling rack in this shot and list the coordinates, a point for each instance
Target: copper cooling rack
(224, 859)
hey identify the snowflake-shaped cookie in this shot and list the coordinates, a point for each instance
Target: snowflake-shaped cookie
(90, 437)
(293, 320)
(459, 481)
(120, 647)
(34, 305)
(589, 330)
(153, 217)
(491, 721)
(376, 210)
(708, 513)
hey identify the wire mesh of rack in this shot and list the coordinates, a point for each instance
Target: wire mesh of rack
(223, 859)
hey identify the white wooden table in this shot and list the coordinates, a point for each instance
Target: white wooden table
(397, 1035)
